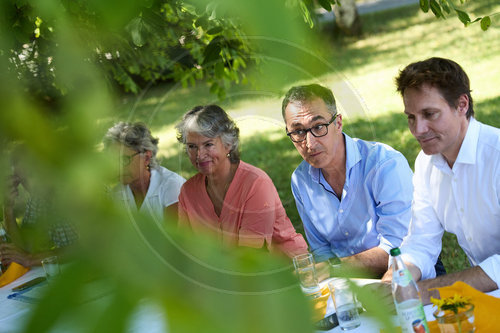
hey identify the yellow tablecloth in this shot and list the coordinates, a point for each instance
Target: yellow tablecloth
(12, 273)
(486, 307)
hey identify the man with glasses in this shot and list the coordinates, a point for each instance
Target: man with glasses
(353, 196)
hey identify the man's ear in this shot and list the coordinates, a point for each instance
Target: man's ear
(463, 104)
(338, 122)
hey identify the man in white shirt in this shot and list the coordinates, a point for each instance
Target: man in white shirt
(456, 180)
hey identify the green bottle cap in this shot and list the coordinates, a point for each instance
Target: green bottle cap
(395, 251)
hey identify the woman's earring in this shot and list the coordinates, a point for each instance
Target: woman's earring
(228, 155)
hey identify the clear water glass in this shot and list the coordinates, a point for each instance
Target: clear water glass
(346, 305)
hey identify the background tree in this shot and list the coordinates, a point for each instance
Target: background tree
(442, 8)
(347, 17)
(156, 41)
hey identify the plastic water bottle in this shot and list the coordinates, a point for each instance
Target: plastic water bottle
(407, 297)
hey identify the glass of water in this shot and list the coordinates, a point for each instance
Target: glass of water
(51, 267)
(346, 305)
(306, 271)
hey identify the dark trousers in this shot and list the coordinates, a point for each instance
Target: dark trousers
(439, 267)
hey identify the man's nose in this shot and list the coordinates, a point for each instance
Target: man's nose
(311, 140)
(420, 127)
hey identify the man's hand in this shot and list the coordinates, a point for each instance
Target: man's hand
(322, 270)
(378, 294)
(10, 253)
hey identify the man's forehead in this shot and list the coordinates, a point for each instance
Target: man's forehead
(422, 98)
(307, 110)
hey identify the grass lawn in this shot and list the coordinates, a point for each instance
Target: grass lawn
(361, 74)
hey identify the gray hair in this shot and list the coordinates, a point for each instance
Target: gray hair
(307, 93)
(211, 121)
(135, 136)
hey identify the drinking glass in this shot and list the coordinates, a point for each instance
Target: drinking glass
(345, 304)
(304, 267)
(51, 267)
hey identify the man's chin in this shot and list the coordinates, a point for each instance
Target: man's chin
(315, 163)
(430, 150)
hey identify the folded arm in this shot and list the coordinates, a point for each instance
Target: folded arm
(474, 276)
(373, 261)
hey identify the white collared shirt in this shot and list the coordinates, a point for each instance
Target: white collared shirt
(463, 200)
(163, 191)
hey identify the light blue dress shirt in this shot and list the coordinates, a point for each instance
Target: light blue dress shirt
(375, 205)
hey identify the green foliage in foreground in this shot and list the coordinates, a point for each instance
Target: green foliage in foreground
(192, 281)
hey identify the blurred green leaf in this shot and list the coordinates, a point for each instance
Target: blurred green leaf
(463, 17)
(424, 5)
(485, 23)
(214, 31)
(436, 8)
(212, 51)
(135, 27)
(306, 14)
(445, 6)
(325, 4)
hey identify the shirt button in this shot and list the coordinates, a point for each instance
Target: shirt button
(469, 239)
(341, 211)
(461, 210)
(346, 233)
(352, 252)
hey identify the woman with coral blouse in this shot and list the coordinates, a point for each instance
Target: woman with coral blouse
(228, 198)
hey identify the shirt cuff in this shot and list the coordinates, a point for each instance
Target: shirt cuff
(322, 254)
(385, 245)
(427, 270)
(491, 266)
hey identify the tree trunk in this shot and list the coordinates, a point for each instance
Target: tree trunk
(347, 18)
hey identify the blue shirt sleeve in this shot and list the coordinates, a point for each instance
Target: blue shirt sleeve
(393, 194)
(319, 247)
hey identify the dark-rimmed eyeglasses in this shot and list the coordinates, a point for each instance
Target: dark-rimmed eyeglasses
(317, 131)
(127, 159)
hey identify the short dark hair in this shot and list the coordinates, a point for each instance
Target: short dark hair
(307, 93)
(211, 121)
(444, 74)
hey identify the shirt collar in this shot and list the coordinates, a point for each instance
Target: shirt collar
(467, 152)
(154, 182)
(353, 156)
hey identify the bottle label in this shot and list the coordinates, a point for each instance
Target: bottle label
(412, 316)
(402, 277)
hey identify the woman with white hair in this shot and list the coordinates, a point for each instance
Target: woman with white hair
(145, 185)
(229, 198)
